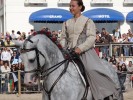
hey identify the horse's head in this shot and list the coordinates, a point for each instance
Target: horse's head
(33, 60)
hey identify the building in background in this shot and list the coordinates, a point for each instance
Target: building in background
(18, 14)
(2, 15)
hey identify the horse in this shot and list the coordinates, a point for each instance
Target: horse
(61, 78)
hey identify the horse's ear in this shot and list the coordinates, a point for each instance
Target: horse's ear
(18, 43)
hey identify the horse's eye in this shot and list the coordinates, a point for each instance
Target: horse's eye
(31, 60)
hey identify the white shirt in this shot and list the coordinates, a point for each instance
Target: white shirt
(5, 70)
(14, 77)
(5, 55)
(130, 69)
(117, 34)
(13, 36)
(16, 61)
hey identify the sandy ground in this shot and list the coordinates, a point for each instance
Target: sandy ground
(127, 95)
(22, 97)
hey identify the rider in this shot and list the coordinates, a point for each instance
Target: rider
(79, 32)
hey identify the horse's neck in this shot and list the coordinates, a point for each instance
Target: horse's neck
(54, 55)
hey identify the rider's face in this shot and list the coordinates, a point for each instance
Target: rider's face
(74, 7)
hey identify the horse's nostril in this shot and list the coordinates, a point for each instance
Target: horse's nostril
(30, 82)
(31, 60)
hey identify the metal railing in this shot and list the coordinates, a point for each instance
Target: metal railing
(39, 86)
(8, 84)
(111, 46)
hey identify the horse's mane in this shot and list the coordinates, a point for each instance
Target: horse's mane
(49, 35)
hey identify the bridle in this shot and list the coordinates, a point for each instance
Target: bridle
(40, 69)
(37, 70)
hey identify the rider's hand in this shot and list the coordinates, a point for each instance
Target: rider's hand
(77, 50)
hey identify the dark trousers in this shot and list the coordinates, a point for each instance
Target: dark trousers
(5, 85)
(122, 78)
(16, 86)
(131, 50)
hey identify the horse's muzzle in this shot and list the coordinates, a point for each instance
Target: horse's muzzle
(30, 79)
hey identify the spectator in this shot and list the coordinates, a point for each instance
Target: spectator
(15, 60)
(98, 40)
(122, 75)
(14, 77)
(129, 77)
(130, 66)
(126, 47)
(129, 31)
(117, 33)
(2, 37)
(23, 35)
(19, 33)
(15, 56)
(115, 48)
(59, 34)
(7, 35)
(31, 32)
(21, 39)
(97, 32)
(125, 61)
(106, 38)
(5, 76)
(104, 57)
(13, 36)
(120, 61)
(103, 32)
(121, 40)
(2, 41)
(5, 55)
(131, 46)
(113, 60)
(8, 42)
(16, 65)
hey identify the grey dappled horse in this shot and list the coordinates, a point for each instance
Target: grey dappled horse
(70, 85)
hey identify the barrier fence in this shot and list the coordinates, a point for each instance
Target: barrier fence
(8, 85)
(120, 47)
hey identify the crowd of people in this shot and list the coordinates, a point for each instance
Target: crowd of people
(115, 37)
(124, 68)
(10, 61)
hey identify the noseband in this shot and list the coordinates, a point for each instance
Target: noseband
(39, 67)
